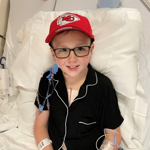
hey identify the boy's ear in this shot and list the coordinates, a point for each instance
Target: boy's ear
(92, 47)
(53, 54)
(91, 50)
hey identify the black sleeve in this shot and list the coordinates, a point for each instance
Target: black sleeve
(113, 118)
(42, 92)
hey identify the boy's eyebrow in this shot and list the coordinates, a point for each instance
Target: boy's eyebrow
(77, 45)
(72, 47)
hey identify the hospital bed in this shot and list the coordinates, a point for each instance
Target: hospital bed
(121, 53)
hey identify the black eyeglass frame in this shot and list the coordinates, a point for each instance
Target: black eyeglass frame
(71, 49)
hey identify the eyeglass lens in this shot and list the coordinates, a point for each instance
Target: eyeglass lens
(65, 52)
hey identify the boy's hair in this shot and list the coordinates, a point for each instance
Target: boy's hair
(69, 21)
(50, 44)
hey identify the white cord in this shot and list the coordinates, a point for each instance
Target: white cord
(105, 136)
(97, 141)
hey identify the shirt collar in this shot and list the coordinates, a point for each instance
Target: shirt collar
(91, 78)
(60, 87)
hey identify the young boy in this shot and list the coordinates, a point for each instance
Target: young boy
(82, 101)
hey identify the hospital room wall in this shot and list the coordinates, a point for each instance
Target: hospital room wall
(4, 12)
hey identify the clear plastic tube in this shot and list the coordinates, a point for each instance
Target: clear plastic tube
(107, 144)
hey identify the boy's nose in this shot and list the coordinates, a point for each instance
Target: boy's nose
(72, 56)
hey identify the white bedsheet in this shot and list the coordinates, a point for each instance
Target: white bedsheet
(144, 62)
(13, 139)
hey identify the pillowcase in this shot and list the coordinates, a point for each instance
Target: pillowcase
(117, 34)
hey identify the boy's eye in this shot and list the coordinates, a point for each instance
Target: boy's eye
(63, 50)
(80, 48)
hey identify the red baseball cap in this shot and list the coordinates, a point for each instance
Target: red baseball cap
(69, 21)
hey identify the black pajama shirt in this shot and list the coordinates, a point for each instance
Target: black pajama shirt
(81, 124)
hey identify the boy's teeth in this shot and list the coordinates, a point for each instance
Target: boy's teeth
(72, 67)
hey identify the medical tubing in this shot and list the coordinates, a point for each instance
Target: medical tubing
(114, 142)
(1, 62)
(47, 96)
(65, 119)
(97, 141)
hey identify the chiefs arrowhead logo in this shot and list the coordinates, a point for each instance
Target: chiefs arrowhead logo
(67, 18)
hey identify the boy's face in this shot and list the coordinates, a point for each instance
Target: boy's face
(73, 66)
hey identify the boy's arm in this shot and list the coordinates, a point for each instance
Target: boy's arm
(111, 138)
(40, 128)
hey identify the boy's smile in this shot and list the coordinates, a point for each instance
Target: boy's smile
(74, 66)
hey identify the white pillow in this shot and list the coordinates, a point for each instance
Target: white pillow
(117, 33)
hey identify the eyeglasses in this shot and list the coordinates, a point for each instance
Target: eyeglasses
(78, 51)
